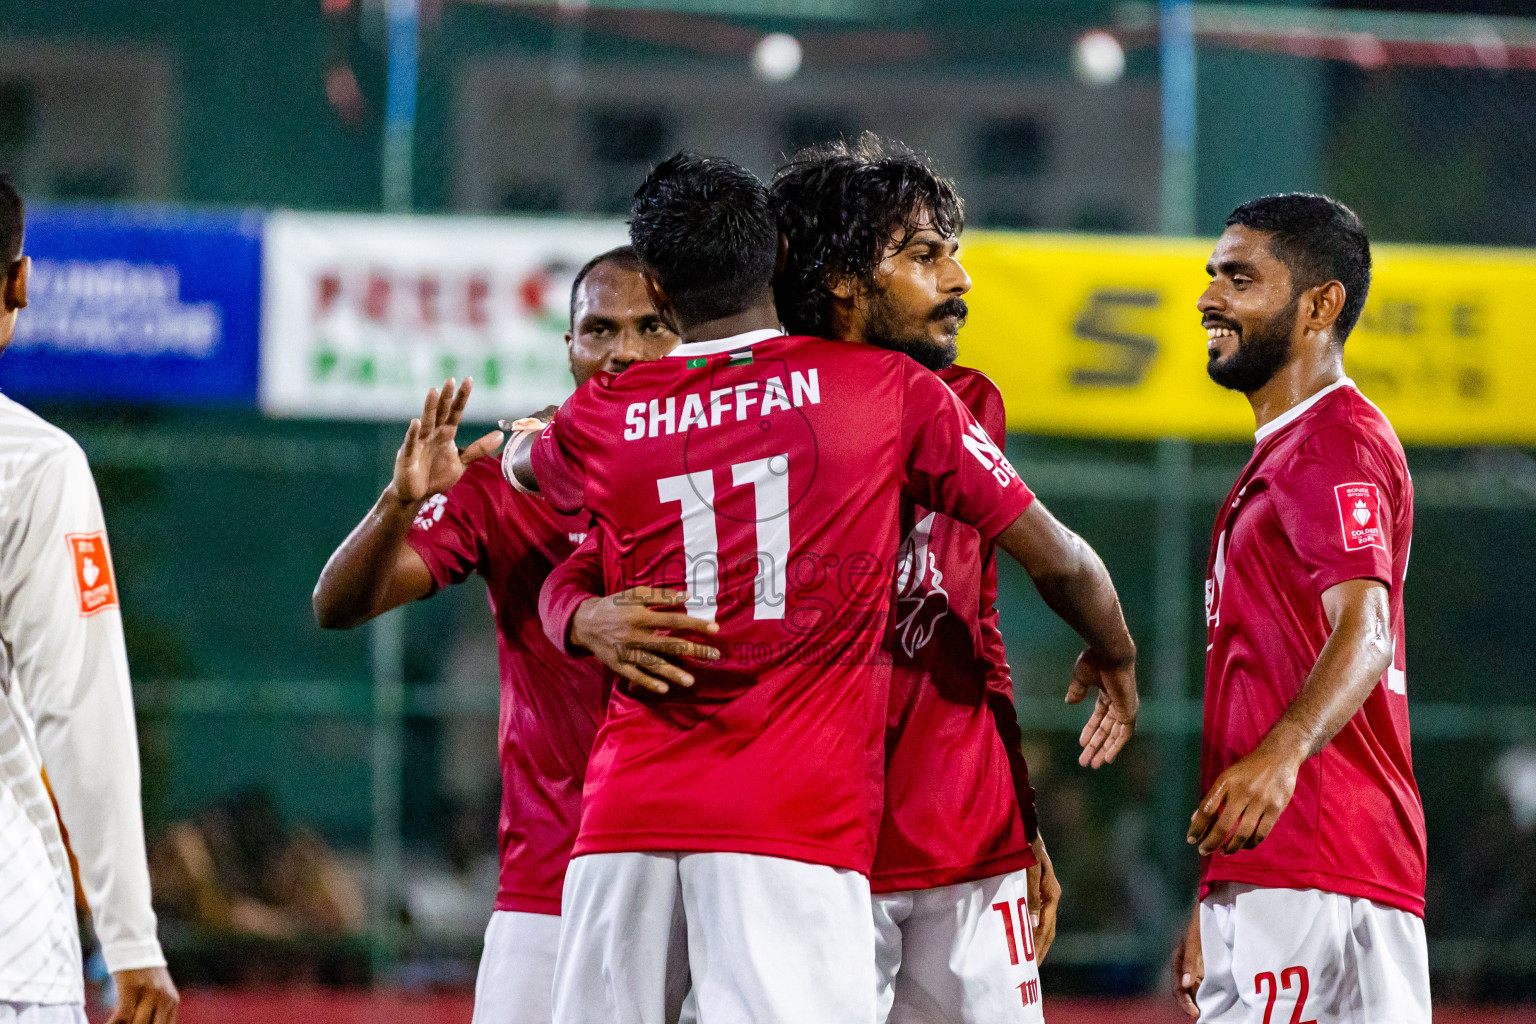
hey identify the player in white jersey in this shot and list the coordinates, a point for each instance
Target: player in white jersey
(64, 704)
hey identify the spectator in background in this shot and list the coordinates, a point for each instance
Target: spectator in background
(238, 867)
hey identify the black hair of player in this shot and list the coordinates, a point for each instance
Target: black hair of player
(623, 256)
(1319, 240)
(839, 206)
(705, 231)
(12, 224)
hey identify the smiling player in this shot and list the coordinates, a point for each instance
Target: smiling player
(871, 257)
(738, 814)
(1312, 831)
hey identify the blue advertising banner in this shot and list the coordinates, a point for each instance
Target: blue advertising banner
(139, 305)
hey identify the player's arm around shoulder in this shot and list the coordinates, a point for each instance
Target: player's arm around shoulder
(544, 455)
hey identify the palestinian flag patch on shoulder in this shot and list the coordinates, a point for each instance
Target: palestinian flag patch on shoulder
(742, 358)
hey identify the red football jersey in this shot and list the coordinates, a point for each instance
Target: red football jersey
(952, 813)
(1325, 499)
(550, 703)
(958, 803)
(765, 474)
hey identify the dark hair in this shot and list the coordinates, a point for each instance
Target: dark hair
(840, 205)
(1320, 240)
(623, 256)
(12, 223)
(702, 226)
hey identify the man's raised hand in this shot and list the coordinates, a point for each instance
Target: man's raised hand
(429, 462)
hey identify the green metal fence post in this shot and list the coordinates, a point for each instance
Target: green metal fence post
(386, 649)
(1170, 650)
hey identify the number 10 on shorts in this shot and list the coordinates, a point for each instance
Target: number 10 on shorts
(1029, 991)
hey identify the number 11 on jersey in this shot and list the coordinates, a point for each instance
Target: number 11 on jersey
(695, 494)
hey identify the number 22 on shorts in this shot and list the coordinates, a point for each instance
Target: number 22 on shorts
(1291, 977)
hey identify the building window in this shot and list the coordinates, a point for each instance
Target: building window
(1013, 146)
(813, 127)
(622, 137)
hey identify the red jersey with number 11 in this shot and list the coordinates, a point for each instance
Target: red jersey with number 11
(1325, 499)
(765, 475)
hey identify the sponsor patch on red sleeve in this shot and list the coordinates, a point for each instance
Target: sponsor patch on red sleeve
(93, 571)
(1360, 516)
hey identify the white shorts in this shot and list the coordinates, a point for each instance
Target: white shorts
(959, 954)
(768, 940)
(42, 1013)
(517, 968)
(1279, 955)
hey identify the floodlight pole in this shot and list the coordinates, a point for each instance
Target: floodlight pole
(1177, 32)
(400, 104)
(1175, 468)
(386, 643)
(1172, 616)
(386, 650)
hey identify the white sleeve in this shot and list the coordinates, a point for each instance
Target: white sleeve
(71, 667)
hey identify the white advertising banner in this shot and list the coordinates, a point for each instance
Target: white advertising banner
(362, 313)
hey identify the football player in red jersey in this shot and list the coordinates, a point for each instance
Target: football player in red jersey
(871, 258)
(448, 514)
(1311, 829)
(738, 809)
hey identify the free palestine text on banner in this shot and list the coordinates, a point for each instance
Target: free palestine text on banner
(362, 314)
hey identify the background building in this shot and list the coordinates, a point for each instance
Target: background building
(206, 117)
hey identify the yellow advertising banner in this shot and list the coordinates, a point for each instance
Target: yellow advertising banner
(1100, 337)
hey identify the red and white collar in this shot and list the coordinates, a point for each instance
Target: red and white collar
(735, 342)
(1298, 410)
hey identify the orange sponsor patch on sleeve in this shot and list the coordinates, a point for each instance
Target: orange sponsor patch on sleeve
(93, 571)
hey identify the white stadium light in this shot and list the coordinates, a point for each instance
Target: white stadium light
(1098, 59)
(776, 57)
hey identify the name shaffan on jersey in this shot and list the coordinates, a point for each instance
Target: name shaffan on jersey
(770, 489)
(66, 706)
(958, 804)
(1325, 499)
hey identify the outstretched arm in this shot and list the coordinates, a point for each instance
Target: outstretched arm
(1074, 583)
(374, 570)
(1246, 799)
